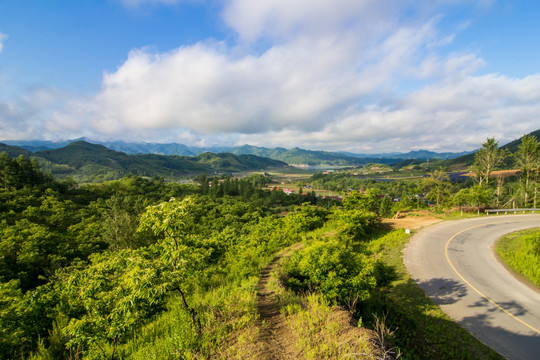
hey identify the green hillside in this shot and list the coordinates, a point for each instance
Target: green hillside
(14, 151)
(467, 160)
(92, 162)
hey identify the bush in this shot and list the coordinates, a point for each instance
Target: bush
(341, 275)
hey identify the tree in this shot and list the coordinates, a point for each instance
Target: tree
(341, 274)
(20, 172)
(478, 195)
(110, 298)
(358, 201)
(120, 220)
(437, 185)
(306, 218)
(528, 160)
(486, 159)
(460, 198)
(178, 225)
(385, 209)
(355, 224)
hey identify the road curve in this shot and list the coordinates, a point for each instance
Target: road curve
(455, 264)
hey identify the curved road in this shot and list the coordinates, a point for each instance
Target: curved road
(455, 264)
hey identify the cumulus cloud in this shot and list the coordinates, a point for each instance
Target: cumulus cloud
(3, 37)
(344, 75)
(23, 116)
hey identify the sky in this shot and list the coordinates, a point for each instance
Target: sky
(365, 76)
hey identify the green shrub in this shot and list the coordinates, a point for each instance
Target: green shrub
(340, 274)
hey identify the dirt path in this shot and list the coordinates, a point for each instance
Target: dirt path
(275, 336)
(412, 221)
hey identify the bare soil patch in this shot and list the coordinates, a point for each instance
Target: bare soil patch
(412, 220)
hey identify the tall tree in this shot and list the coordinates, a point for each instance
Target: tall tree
(528, 160)
(486, 159)
(478, 196)
(437, 185)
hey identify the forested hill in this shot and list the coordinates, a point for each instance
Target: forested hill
(92, 162)
(14, 151)
(467, 160)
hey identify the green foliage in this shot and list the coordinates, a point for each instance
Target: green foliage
(355, 225)
(385, 208)
(20, 172)
(437, 185)
(110, 298)
(120, 222)
(487, 159)
(358, 201)
(521, 252)
(306, 218)
(528, 160)
(342, 275)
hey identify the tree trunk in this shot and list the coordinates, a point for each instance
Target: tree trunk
(194, 318)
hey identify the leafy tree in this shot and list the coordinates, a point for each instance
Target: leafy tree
(385, 208)
(177, 223)
(437, 185)
(461, 198)
(340, 274)
(306, 218)
(359, 201)
(110, 298)
(121, 220)
(24, 318)
(486, 159)
(528, 160)
(355, 225)
(20, 172)
(478, 196)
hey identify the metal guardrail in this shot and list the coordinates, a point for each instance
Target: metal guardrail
(511, 211)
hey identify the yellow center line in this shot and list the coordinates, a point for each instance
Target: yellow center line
(475, 289)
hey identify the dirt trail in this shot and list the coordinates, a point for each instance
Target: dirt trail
(275, 336)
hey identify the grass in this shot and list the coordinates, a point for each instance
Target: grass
(322, 331)
(520, 251)
(422, 330)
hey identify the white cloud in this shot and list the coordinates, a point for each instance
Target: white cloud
(342, 75)
(3, 37)
(281, 19)
(23, 116)
(300, 83)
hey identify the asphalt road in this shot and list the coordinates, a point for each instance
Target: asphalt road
(455, 264)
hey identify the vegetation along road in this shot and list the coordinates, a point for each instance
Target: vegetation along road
(455, 264)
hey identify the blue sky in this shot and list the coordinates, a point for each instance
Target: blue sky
(355, 75)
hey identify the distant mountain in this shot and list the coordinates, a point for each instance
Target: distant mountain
(274, 153)
(38, 145)
(417, 154)
(81, 159)
(14, 151)
(294, 156)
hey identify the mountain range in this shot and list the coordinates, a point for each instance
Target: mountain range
(294, 156)
(85, 161)
(89, 161)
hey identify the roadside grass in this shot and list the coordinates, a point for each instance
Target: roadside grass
(520, 251)
(322, 331)
(457, 215)
(422, 330)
